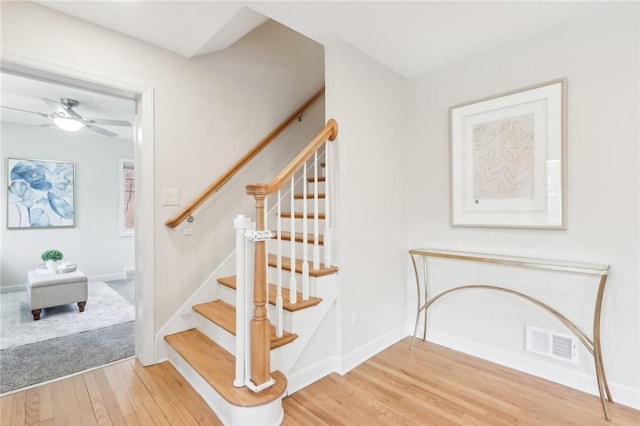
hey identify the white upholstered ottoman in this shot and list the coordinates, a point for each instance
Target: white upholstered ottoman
(57, 289)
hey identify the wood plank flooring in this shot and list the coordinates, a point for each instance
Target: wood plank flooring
(431, 385)
(125, 393)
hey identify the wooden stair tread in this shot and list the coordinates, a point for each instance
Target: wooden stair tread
(310, 196)
(273, 291)
(300, 215)
(320, 179)
(224, 315)
(219, 312)
(286, 265)
(217, 368)
(286, 236)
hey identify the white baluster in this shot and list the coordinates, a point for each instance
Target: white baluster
(293, 284)
(328, 180)
(279, 323)
(316, 225)
(305, 237)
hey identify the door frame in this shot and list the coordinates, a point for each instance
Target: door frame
(144, 175)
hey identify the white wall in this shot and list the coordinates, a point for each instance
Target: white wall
(599, 57)
(369, 103)
(94, 243)
(208, 112)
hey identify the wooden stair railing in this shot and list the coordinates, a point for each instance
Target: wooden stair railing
(219, 183)
(260, 325)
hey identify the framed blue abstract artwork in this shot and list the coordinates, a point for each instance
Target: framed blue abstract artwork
(40, 193)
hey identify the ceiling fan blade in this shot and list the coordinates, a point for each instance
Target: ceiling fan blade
(100, 130)
(42, 114)
(107, 122)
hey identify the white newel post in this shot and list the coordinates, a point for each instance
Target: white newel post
(244, 298)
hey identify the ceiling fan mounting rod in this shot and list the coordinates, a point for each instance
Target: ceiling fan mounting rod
(70, 103)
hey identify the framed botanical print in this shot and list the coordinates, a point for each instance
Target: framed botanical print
(508, 159)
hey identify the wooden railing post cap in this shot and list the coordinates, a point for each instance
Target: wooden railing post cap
(256, 189)
(334, 129)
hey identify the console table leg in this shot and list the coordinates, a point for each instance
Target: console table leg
(36, 314)
(81, 306)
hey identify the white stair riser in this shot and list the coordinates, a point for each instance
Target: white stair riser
(216, 333)
(299, 222)
(272, 276)
(287, 318)
(311, 187)
(228, 295)
(299, 250)
(298, 205)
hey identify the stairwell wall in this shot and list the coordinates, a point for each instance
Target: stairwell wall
(599, 57)
(209, 111)
(369, 102)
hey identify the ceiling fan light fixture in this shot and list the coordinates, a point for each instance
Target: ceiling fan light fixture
(68, 124)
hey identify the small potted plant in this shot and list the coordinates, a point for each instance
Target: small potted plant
(51, 258)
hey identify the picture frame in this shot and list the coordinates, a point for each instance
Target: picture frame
(126, 198)
(508, 159)
(40, 193)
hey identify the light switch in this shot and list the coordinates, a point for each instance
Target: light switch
(170, 197)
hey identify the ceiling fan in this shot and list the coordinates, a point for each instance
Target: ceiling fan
(68, 119)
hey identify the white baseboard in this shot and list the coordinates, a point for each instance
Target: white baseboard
(107, 277)
(303, 378)
(104, 277)
(583, 382)
(363, 353)
(12, 288)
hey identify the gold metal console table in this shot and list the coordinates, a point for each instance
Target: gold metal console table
(581, 268)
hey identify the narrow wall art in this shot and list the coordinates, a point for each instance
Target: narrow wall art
(40, 193)
(508, 159)
(127, 199)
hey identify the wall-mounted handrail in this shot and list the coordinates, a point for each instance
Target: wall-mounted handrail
(329, 132)
(219, 183)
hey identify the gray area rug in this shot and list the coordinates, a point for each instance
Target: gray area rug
(65, 341)
(34, 363)
(105, 307)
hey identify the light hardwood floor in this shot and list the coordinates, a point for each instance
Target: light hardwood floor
(431, 385)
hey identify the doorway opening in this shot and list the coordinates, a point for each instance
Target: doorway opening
(92, 181)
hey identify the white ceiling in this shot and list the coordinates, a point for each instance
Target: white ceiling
(408, 37)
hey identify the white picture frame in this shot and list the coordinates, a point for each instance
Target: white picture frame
(40, 193)
(508, 159)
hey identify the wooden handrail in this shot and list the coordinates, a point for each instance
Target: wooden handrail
(260, 325)
(215, 186)
(330, 132)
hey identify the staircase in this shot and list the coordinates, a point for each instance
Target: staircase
(300, 292)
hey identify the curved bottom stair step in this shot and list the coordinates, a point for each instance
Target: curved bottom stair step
(224, 315)
(273, 289)
(217, 367)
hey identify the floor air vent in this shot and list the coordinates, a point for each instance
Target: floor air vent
(554, 345)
